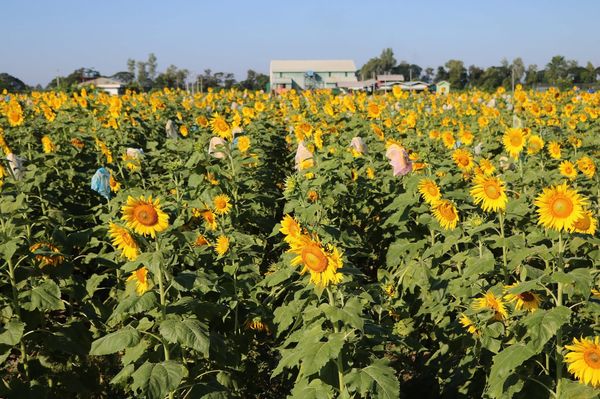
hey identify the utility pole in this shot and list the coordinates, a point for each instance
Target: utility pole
(513, 77)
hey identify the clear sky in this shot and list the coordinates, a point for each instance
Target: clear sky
(44, 37)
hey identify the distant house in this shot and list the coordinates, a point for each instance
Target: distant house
(442, 87)
(386, 82)
(111, 86)
(310, 74)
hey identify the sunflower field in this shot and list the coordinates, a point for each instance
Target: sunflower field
(304, 245)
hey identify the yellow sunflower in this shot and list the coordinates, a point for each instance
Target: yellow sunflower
(200, 241)
(243, 144)
(373, 110)
(222, 245)
(445, 212)
(534, 144)
(430, 191)
(50, 255)
(290, 228)
(210, 219)
(489, 301)
(145, 216)
(48, 145)
(140, 276)
(559, 207)
(527, 300)
(487, 167)
(220, 126)
(583, 360)
(122, 240)
(322, 263)
(586, 166)
(514, 141)
(567, 169)
(448, 139)
(222, 204)
(586, 224)
(554, 149)
(463, 159)
(490, 194)
(467, 323)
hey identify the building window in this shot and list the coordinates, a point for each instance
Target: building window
(329, 74)
(281, 74)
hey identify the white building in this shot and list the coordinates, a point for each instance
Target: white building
(110, 86)
(310, 74)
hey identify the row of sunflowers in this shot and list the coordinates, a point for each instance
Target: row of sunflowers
(309, 245)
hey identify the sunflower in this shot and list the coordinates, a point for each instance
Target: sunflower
(467, 323)
(527, 300)
(559, 207)
(491, 302)
(514, 141)
(222, 204)
(312, 196)
(586, 224)
(115, 186)
(373, 110)
(222, 245)
(122, 240)
(202, 121)
(256, 324)
(183, 130)
(534, 144)
(48, 145)
(322, 263)
(290, 228)
(567, 169)
(489, 193)
(430, 191)
(554, 149)
(586, 166)
(200, 241)
(220, 127)
(584, 360)
(210, 219)
(446, 214)
(487, 167)
(50, 254)
(463, 159)
(243, 144)
(145, 216)
(140, 276)
(448, 139)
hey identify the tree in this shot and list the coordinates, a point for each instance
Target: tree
(11, 84)
(589, 75)
(531, 75)
(151, 66)
(428, 75)
(131, 66)
(254, 81)
(557, 72)
(474, 75)
(457, 74)
(409, 71)
(217, 80)
(378, 65)
(492, 78)
(142, 75)
(124, 77)
(518, 69)
(441, 74)
(172, 78)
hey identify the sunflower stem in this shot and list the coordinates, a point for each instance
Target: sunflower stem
(17, 309)
(163, 301)
(504, 260)
(559, 302)
(339, 361)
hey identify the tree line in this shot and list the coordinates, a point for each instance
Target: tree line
(144, 75)
(559, 72)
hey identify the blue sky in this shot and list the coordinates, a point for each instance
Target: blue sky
(43, 38)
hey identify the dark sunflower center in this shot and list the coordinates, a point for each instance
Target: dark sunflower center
(526, 297)
(562, 207)
(146, 215)
(592, 358)
(314, 259)
(492, 191)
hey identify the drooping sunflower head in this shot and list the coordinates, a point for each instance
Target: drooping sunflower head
(122, 240)
(514, 141)
(48, 254)
(221, 204)
(583, 360)
(527, 300)
(140, 277)
(468, 324)
(145, 216)
(430, 191)
(559, 207)
(222, 245)
(489, 301)
(487, 167)
(490, 194)
(210, 219)
(586, 224)
(586, 166)
(290, 228)
(534, 144)
(446, 214)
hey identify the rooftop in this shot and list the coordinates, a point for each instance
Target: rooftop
(313, 65)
